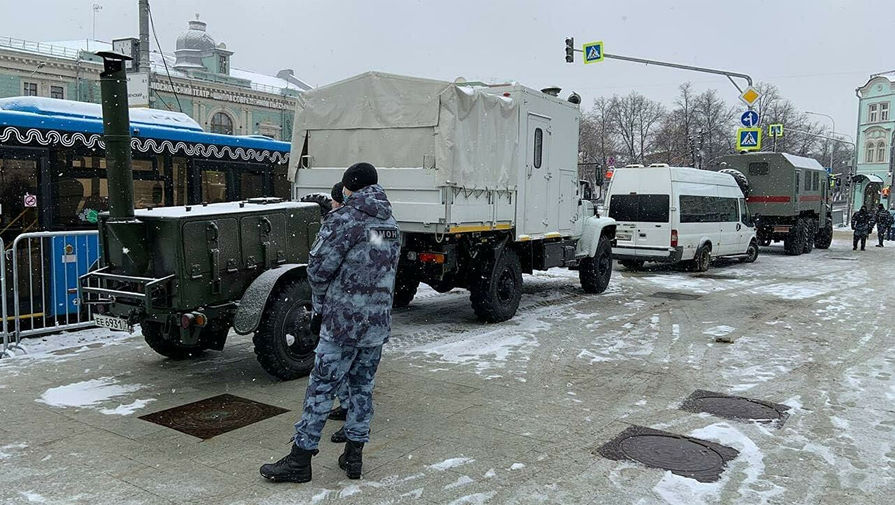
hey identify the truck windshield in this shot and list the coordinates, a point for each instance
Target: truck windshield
(639, 208)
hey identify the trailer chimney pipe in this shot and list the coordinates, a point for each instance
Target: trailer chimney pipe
(117, 136)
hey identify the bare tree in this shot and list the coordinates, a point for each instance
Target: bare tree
(635, 119)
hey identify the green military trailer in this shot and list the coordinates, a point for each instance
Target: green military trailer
(187, 274)
(788, 197)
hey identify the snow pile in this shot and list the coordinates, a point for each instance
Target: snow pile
(719, 331)
(450, 463)
(91, 393)
(474, 499)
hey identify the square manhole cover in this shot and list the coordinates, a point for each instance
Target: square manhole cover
(672, 295)
(212, 416)
(685, 456)
(736, 407)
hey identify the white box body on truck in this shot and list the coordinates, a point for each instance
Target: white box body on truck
(483, 180)
(677, 214)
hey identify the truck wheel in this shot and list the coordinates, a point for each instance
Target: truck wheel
(284, 344)
(702, 260)
(793, 244)
(809, 236)
(405, 290)
(632, 264)
(164, 341)
(496, 288)
(751, 253)
(825, 236)
(594, 273)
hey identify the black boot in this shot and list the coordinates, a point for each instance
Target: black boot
(352, 459)
(338, 414)
(339, 436)
(295, 467)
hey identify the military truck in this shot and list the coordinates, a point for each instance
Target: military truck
(186, 274)
(483, 180)
(788, 197)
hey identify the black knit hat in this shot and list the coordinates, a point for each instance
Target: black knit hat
(337, 194)
(359, 176)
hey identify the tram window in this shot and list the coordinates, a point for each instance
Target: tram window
(148, 194)
(251, 185)
(17, 177)
(142, 165)
(179, 180)
(214, 186)
(281, 185)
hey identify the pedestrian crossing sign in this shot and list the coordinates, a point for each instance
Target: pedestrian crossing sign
(749, 139)
(593, 52)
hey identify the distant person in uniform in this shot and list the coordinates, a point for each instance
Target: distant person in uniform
(351, 270)
(862, 223)
(339, 413)
(883, 223)
(892, 228)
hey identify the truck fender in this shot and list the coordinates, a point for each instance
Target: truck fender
(254, 300)
(594, 228)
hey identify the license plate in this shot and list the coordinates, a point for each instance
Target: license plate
(113, 323)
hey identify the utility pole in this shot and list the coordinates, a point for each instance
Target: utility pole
(96, 8)
(833, 130)
(143, 64)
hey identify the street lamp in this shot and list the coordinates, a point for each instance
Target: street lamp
(833, 131)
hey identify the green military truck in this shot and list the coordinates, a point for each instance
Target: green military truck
(788, 197)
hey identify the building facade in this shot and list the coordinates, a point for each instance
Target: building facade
(197, 80)
(872, 181)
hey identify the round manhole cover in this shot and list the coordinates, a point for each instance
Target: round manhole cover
(671, 453)
(736, 408)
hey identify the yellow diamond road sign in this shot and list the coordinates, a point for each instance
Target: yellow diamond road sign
(750, 96)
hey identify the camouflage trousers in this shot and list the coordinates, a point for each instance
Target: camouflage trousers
(334, 367)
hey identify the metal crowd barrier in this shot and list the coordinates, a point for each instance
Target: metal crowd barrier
(4, 314)
(45, 271)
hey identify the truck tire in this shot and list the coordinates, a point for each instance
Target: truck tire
(824, 237)
(738, 176)
(496, 287)
(595, 273)
(793, 244)
(751, 253)
(405, 290)
(633, 265)
(284, 345)
(702, 260)
(325, 202)
(164, 341)
(809, 236)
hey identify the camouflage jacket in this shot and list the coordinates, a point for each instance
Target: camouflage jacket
(883, 219)
(862, 223)
(352, 270)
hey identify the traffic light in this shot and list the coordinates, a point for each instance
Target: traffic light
(570, 50)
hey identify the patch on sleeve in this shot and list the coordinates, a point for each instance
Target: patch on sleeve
(377, 235)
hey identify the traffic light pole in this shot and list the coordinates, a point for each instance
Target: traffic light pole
(730, 75)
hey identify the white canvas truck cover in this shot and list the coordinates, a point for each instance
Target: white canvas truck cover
(468, 135)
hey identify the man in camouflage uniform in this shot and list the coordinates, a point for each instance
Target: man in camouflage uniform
(352, 274)
(862, 223)
(883, 223)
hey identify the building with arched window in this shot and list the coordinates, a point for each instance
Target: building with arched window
(875, 135)
(197, 79)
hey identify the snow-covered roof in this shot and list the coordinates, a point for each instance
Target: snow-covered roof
(70, 108)
(803, 162)
(70, 49)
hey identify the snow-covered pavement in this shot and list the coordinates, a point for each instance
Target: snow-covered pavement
(507, 413)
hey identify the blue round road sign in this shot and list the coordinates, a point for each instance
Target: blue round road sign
(749, 119)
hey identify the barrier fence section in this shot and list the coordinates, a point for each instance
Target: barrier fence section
(45, 271)
(4, 314)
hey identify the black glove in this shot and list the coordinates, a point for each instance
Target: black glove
(316, 322)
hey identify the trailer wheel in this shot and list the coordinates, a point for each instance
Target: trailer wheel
(751, 253)
(793, 245)
(164, 341)
(633, 265)
(405, 290)
(825, 236)
(702, 260)
(496, 288)
(594, 273)
(284, 344)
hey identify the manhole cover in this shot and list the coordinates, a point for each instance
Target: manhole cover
(736, 407)
(685, 456)
(671, 295)
(213, 416)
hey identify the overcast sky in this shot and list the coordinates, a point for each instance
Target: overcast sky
(816, 51)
